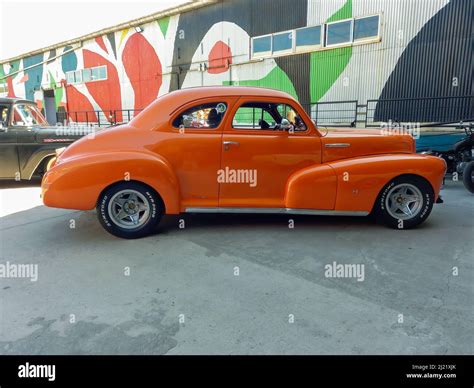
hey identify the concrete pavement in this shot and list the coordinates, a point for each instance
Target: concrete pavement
(236, 284)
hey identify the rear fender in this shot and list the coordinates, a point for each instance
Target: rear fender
(77, 183)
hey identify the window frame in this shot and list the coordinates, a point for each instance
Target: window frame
(263, 53)
(287, 51)
(309, 48)
(192, 105)
(342, 44)
(270, 131)
(76, 74)
(371, 38)
(323, 44)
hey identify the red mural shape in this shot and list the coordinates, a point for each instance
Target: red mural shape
(77, 102)
(101, 43)
(143, 68)
(107, 92)
(220, 58)
(11, 92)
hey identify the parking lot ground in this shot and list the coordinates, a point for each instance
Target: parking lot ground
(236, 284)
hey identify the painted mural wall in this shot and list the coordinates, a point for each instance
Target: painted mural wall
(425, 50)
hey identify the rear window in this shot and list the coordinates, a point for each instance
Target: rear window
(203, 116)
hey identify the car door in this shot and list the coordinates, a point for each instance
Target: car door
(25, 134)
(256, 162)
(195, 151)
(8, 147)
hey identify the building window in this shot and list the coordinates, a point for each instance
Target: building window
(86, 75)
(262, 45)
(282, 42)
(366, 28)
(78, 76)
(312, 38)
(98, 73)
(101, 72)
(70, 77)
(339, 33)
(308, 38)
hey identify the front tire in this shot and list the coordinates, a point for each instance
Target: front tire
(405, 202)
(129, 210)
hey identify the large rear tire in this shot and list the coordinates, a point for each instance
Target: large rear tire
(129, 210)
(405, 202)
(468, 176)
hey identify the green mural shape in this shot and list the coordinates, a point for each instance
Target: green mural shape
(326, 66)
(164, 23)
(58, 91)
(14, 67)
(276, 79)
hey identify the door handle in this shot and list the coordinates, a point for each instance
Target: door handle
(337, 145)
(229, 143)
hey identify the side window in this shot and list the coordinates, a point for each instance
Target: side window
(27, 115)
(267, 116)
(201, 116)
(4, 114)
(291, 119)
(253, 117)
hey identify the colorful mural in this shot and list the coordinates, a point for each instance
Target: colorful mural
(419, 54)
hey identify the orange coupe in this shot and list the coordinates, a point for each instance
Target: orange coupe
(240, 150)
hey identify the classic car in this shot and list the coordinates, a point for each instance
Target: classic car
(27, 142)
(232, 149)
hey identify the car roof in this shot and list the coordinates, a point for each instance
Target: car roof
(167, 104)
(211, 91)
(11, 100)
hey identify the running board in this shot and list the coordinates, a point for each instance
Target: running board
(276, 210)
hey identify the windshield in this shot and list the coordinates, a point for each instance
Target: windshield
(27, 115)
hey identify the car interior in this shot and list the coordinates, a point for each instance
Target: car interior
(201, 116)
(268, 116)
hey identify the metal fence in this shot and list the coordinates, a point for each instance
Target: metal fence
(420, 110)
(333, 113)
(98, 117)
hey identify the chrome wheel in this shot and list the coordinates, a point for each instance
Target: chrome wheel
(129, 209)
(404, 201)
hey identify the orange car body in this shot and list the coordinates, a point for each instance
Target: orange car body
(338, 172)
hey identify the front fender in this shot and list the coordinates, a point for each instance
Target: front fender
(77, 183)
(29, 166)
(313, 187)
(360, 180)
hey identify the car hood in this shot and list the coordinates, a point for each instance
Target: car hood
(352, 142)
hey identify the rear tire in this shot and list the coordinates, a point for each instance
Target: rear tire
(129, 210)
(404, 202)
(468, 176)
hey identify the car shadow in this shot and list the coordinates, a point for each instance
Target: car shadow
(240, 221)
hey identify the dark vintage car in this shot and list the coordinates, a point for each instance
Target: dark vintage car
(27, 142)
